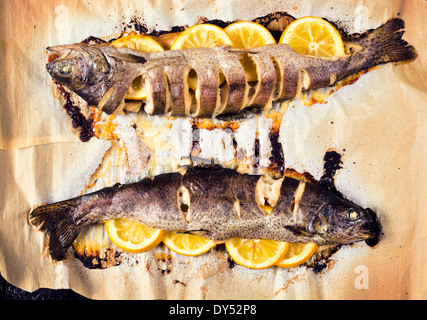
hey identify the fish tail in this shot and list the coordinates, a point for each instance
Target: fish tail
(57, 221)
(385, 44)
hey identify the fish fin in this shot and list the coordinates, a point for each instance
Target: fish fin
(126, 54)
(58, 223)
(246, 113)
(385, 44)
(113, 98)
(200, 163)
(298, 231)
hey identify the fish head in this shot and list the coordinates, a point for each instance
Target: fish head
(76, 66)
(346, 224)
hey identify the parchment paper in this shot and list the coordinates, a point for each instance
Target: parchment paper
(378, 124)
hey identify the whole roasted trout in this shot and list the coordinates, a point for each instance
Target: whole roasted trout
(210, 82)
(216, 203)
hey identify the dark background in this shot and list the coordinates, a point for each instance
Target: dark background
(10, 292)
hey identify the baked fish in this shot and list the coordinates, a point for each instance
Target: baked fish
(216, 203)
(218, 81)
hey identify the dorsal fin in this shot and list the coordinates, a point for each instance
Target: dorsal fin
(197, 163)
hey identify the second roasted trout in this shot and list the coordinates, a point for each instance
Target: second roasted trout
(217, 203)
(210, 82)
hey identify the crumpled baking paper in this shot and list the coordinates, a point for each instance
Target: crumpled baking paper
(377, 124)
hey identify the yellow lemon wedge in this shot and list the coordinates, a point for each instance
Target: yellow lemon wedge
(132, 236)
(298, 253)
(247, 34)
(141, 43)
(201, 36)
(187, 244)
(256, 254)
(313, 36)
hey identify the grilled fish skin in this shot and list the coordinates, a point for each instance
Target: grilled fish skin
(101, 74)
(216, 203)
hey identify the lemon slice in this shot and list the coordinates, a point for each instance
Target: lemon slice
(141, 43)
(138, 42)
(313, 36)
(187, 244)
(247, 34)
(298, 253)
(256, 254)
(133, 236)
(201, 36)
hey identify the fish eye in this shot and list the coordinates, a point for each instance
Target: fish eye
(65, 69)
(353, 215)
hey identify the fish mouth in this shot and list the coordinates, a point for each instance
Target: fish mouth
(374, 229)
(51, 68)
(54, 54)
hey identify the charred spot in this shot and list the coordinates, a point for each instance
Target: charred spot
(179, 282)
(136, 24)
(319, 266)
(231, 263)
(95, 262)
(331, 164)
(93, 40)
(195, 138)
(157, 33)
(164, 262)
(78, 120)
(277, 156)
(322, 260)
(256, 151)
(220, 23)
(275, 22)
(234, 142)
